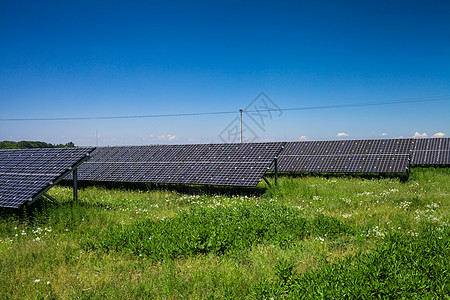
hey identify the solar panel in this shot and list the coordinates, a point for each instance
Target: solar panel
(353, 163)
(430, 151)
(350, 156)
(26, 174)
(203, 164)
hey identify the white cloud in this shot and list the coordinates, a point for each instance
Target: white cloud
(384, 134)
(168, 137)
(419, 135)
(341, 134)
(303, 138)
(439, 134)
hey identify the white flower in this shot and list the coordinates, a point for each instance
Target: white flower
(37, 280)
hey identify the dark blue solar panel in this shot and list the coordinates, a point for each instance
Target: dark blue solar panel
(24, 174)
(203, 164)
(350, 156)
(430, 151)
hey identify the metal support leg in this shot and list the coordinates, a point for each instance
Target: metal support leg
(267, 181)
(276, 171)
(75, 185)
(50, 198)
(408, 170)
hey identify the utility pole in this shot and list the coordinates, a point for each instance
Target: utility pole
(240, 113)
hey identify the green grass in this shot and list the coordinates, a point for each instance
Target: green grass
(312, 237)
(218, 230)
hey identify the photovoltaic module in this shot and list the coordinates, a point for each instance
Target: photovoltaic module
(26, 174)
(202, 164)
(349, 156)
(430, 151)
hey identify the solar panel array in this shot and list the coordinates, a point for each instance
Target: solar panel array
(430, 151)
(26, 174)
(245, 164)
(204, 164)
(352, 156)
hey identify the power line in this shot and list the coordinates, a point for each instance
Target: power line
(120, 117)
(387, 102)
(348, 105)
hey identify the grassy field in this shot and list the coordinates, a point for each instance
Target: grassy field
(312, 237)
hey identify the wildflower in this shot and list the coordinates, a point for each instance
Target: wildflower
(37, 280)
(321, 239)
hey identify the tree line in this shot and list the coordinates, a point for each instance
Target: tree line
(32, 144)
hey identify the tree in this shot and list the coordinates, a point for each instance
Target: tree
(32, 144)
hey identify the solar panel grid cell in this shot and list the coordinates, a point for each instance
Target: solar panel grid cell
(434, 144)
(384, 147)
(136, 154)
(444, 158)
(370, 147)
(101, 154)
(333, 148)
(343, 147)
(357, 147)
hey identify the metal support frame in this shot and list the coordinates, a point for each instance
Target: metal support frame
(50, 198)
(276, 171)
(267, 181)
(275, 161)
(75, 188)
(53, 183)
(75, 184)
(408, 168)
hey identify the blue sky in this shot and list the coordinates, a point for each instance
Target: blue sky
(76, 59)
